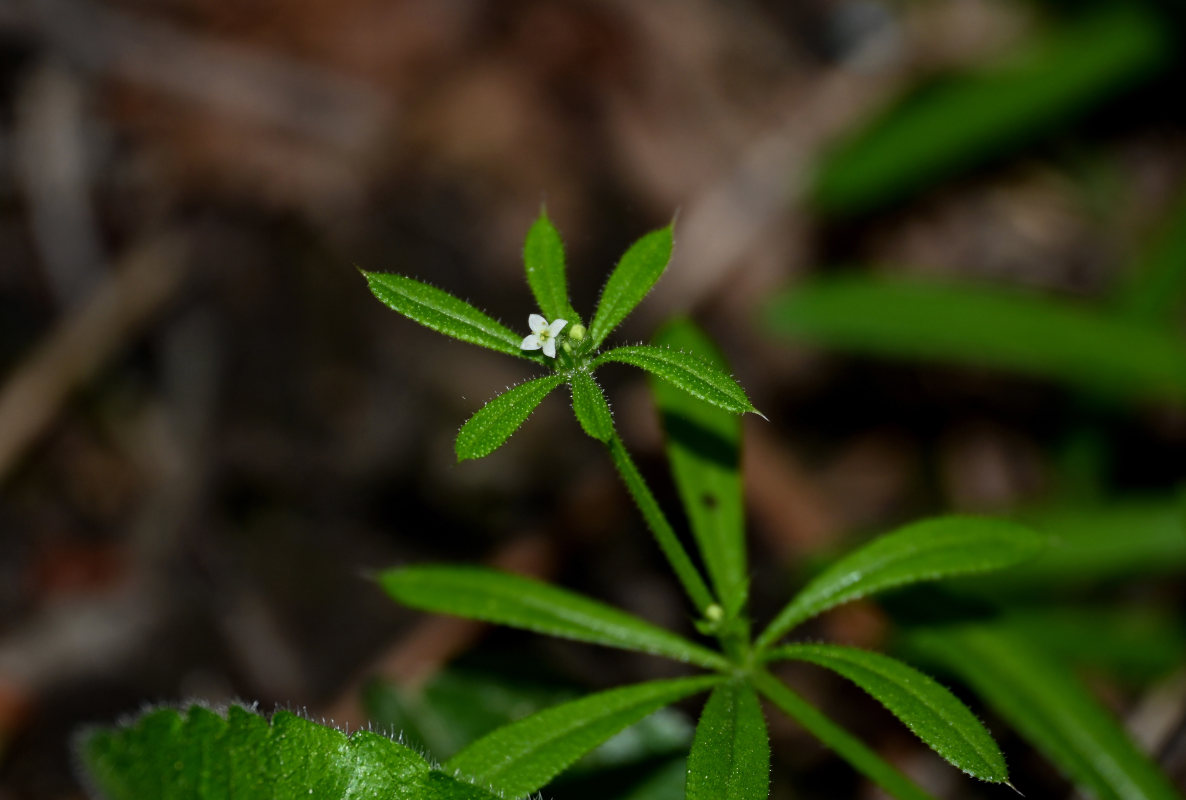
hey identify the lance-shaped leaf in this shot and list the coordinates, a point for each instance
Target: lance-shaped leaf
(493, 423)
(922, 551)
(543, 258)
(630, 281)
(934, 714)
(485, 594)
(1041, 698)
(689, 372)
(202, 755)
(1042, 336)
(704, 448)
(444, 313)
(522, 757)
(590, 407)
(730, 756)
(841, 741)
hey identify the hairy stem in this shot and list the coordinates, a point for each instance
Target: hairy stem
(844, 743)
(664, 534)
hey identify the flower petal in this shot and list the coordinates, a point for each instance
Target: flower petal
(550, 347)
(537, 323)
(557, 326)
(531, 342)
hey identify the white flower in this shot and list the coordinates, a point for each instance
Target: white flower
(543, 335)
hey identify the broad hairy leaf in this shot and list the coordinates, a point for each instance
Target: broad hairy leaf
(922, 551)
(492, 596)
(686, 371)
(965, 120)
(590, 406)
(847, 746)
(932, 712)
(1045, 703)
(730, 756)
(493, 423)
(986, 326)
(437, 309)
(522, 757)
(202, 755)
(631, 280)
(704, 448)
(543, 258)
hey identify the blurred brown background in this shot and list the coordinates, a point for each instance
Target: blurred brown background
(210, 431)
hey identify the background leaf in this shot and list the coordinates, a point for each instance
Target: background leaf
(204, 756)
(984, 326)
(479, 593)
(631, 280)
(493, 423)
(523, 756)
(1044, 702)
(444, 313)
(590, 407)
(730, 757)
(928, 709)
(543, 259)
(704, 448)
(922, 551)
(966, 120)
(688, 372)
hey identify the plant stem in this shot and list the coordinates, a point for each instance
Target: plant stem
(844, 743)
(664, 534)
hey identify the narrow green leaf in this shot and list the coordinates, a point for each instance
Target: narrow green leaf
(704, 448)
(967, 120)
(442, 312)
(630, 281)
(934, 714)
(493, 423)
(686, 371)
(923, 551)
(204, 756)
(590, 407)
(543, 258)
(985, 326)
(1046, 704)
(522, 757)
(479, 593)
(841, 741)
(1156, 285)
(730, 757)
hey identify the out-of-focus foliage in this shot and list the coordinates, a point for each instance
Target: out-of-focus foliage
(962, 121)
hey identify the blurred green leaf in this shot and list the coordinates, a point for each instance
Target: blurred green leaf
(523, 756)
(204, 756)
(443, 313)
(730, 757)
(965, 120)
(1043, 701)
(1156, 285)
(704, 448)
(848, 747)
(922, 551)
(492, 424)
(590, 407)
(484, 594)
(543, 259)
(983, 326)
(928, 709)
(686, 371)
(631, 280)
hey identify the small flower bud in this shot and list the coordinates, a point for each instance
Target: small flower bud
(576, 332)
(714, 613)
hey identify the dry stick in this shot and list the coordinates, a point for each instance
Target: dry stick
(35, 392)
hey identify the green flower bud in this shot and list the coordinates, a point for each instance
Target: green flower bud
(576, 332)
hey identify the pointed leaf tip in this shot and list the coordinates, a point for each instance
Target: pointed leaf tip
(494, 422)
(632, 279)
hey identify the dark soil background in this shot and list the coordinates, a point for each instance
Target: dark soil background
(210, 432)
